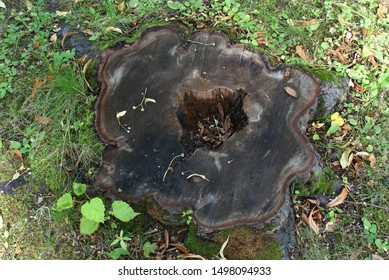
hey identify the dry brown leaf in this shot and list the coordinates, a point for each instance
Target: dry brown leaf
(43, 120)
(382, 10)
(68, 34)
(291, 91)
(85, 68)
(330, 227)
(339, 199)
(312, 223)
(166, 245)
(180, 247)
(341, 20)
(372, 160)
(19, 155)
(370, 183)
(301, 53)
(314, 201)
(337, 54)
(347, 127)
(17, 249)
(121, 7)
(372, 61)
(38, 83)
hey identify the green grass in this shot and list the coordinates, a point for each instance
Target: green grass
(54, 131)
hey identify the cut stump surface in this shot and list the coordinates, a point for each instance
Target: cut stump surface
(205, 125)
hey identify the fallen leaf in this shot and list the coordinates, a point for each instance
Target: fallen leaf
(370, 183)
(339, 199)
(382, 10)
(312, 224)
(301, 53)
(1, 221)
(115, 29)
(314, 201)
(330, 227)
(166, 245)
(43, 120)
(362, 154)
(53, 38)
(221, 252)
(120, 114)
(372, 160)
(341, 20)
(19, 155)
(292, 92)
(376, 257)
(317, 125)
(344, 160)
(61, 13)
(2, 5)
(121, 7)
(347, 127)
(337, 119)
(337, 54)
(180, 247)
(191, 256)
(38, 83)
(17, 249)
(372, 61)
(67, 34)
(84, 69)
(28, 4)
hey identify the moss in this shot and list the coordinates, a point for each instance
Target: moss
(322, 184)
(246, 243)
(199, 246)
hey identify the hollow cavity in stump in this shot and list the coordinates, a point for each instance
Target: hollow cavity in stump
(205, 125)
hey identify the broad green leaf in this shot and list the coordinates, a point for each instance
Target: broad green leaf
(14, 145)
(378, 243)
(334, 128)
(94, 210)
(79, 188)
(65, 202)
(87, 226)
(148, 248)
(316, 137)
(117, 253)
(1, 143)
(123, 211)
(174, 5)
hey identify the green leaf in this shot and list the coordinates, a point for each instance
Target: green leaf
(14, 145)
(79, 188)
(369, 148)
(94, 210)
(148, 248)
(87, 226)
(378, 243)
(316, 137)
(1, 143)
(174, 5)
(373, 229)
(117, 253)
(65, 202)
(334, 128)
(353, 122)
(134, 3)
(123, 211)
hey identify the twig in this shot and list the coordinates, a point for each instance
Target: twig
(170, 168)
(367, 204)
(204, 44)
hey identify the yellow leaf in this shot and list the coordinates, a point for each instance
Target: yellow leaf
(339, 199)
(62, 14)
(344, 160)
(28, 4)
(115, 29)
(53, 38)
(337, 119)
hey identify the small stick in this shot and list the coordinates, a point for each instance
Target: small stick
(204, 44)
(170, 168)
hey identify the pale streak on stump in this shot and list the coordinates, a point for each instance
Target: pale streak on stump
(248, 173)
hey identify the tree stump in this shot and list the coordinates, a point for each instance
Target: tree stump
(204, 125)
